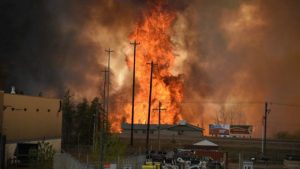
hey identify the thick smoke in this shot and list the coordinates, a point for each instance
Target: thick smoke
(51, 46)
(239, 55)
(234, 55)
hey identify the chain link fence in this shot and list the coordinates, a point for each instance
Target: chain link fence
(67, 161)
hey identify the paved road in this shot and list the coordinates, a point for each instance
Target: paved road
(257, 166)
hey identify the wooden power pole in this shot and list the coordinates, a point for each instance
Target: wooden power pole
(267, 111)
(133, 91)
(103, 122)
(158, 127)
(149, 107)
(109, 51)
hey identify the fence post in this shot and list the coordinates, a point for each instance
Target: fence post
(240, 160)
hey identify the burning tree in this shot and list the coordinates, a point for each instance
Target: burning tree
(153, 33)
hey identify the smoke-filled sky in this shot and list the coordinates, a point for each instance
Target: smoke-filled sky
(234, 55)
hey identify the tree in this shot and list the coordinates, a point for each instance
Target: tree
(221, 116)
(115, 148)
(282, 135)
(67, 118)
(95, 109)
(231, 115)
(84, 122)
(287, 136)
(43, 157)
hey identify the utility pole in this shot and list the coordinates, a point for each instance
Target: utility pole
(95, 125)
(102, 140)
(149, 108)
(158, 128)
(109, 51)
(103, 124)
(133, 91)
(265, 117)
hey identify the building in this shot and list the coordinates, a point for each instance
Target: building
(241, 131)
(181, 129)
(205, 145)
(28, 119)
(226, 130)
(219, 130)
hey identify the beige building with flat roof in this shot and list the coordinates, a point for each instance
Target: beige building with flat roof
(29, 117)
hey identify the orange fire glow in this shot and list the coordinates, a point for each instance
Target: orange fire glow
(153, 34)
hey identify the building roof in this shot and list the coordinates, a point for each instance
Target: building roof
(185, 127)
(182, 127)
(205, 143)
(127, 126)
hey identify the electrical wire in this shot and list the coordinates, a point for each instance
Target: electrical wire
(219, 102)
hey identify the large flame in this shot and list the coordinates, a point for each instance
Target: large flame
(153, 34)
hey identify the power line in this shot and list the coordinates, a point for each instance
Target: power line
(284, 104)
(195, 102)
(220, 102)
